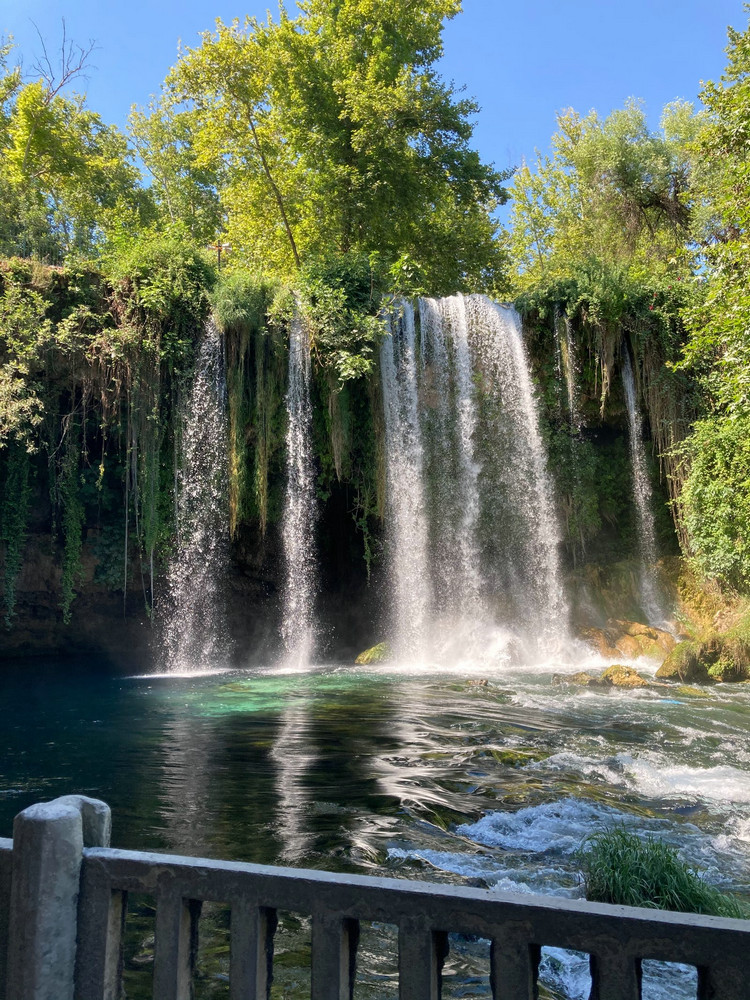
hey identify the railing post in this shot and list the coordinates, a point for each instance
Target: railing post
(421, 954)
(334, 956)
(251, 949)
(514, 966)
(48, 842)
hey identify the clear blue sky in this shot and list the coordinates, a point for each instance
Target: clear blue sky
(522, 61)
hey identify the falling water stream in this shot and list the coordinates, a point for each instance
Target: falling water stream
(411, 592)
(649, 587)
(298, 631)
(195, 633)
(471, 525)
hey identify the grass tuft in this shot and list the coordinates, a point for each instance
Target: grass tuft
(621, 867)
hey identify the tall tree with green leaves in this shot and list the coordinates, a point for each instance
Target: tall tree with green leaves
(65, 175)
(719, 344)
(331, 132)
(614, 194)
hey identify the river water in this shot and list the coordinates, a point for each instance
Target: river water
(409, 772)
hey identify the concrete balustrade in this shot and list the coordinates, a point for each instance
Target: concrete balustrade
(63, 899)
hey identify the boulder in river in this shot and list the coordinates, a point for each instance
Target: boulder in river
(375, 654)
(629, 639)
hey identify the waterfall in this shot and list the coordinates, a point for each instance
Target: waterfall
(195, 631)
(407, 521)
(467, 576)
(515, 477)
(471, 527)
(643, 497)
(566, 363)
(298, 630)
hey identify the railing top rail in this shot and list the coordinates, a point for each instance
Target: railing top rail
(554, 921)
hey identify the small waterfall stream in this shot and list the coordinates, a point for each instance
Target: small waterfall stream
(195, 632)
(642, 494)
(298, 630)
(469, 579)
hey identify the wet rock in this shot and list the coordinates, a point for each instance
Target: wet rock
(630, 639)
(581, 679)
(684, 664)
(714, 658)
(375, 654)
(619, 675)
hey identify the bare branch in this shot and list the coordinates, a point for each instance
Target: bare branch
(73, 63)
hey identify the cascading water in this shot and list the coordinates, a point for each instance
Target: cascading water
(407, 521)
(468, 579)
(196, 635)
(518, 489)
(298, 631)
(643, 497)
(449, 421)
(567, 366)
(466, 534)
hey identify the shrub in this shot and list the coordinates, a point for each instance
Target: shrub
(716, 500)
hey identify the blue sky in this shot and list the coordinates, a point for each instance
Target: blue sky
(522, 61)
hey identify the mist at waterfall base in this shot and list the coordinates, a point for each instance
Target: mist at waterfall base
(460, 760)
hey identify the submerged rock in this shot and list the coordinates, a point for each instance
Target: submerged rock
(375, 654)
(685, 691)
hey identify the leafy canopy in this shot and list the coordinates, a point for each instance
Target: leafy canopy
(613, 192)
(65, 176)
(332, 132)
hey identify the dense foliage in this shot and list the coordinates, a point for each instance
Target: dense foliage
(640, 238)
(331, 131)
(325, 154)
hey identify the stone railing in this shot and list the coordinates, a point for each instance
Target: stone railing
(63, 899)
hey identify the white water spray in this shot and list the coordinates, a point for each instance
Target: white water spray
(469, 580)
(471, 523)
(196, 635)
(524, 501)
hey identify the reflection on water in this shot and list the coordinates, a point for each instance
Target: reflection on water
(185, 809)
(293, 758)
(439, 777)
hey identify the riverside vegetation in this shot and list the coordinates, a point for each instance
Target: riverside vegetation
(327, 152)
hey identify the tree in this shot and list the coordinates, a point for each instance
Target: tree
(613, 192)
(719, 344)
(65, 175)
(331, 132)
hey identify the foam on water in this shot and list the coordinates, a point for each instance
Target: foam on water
(652, 776)
(554, 826)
